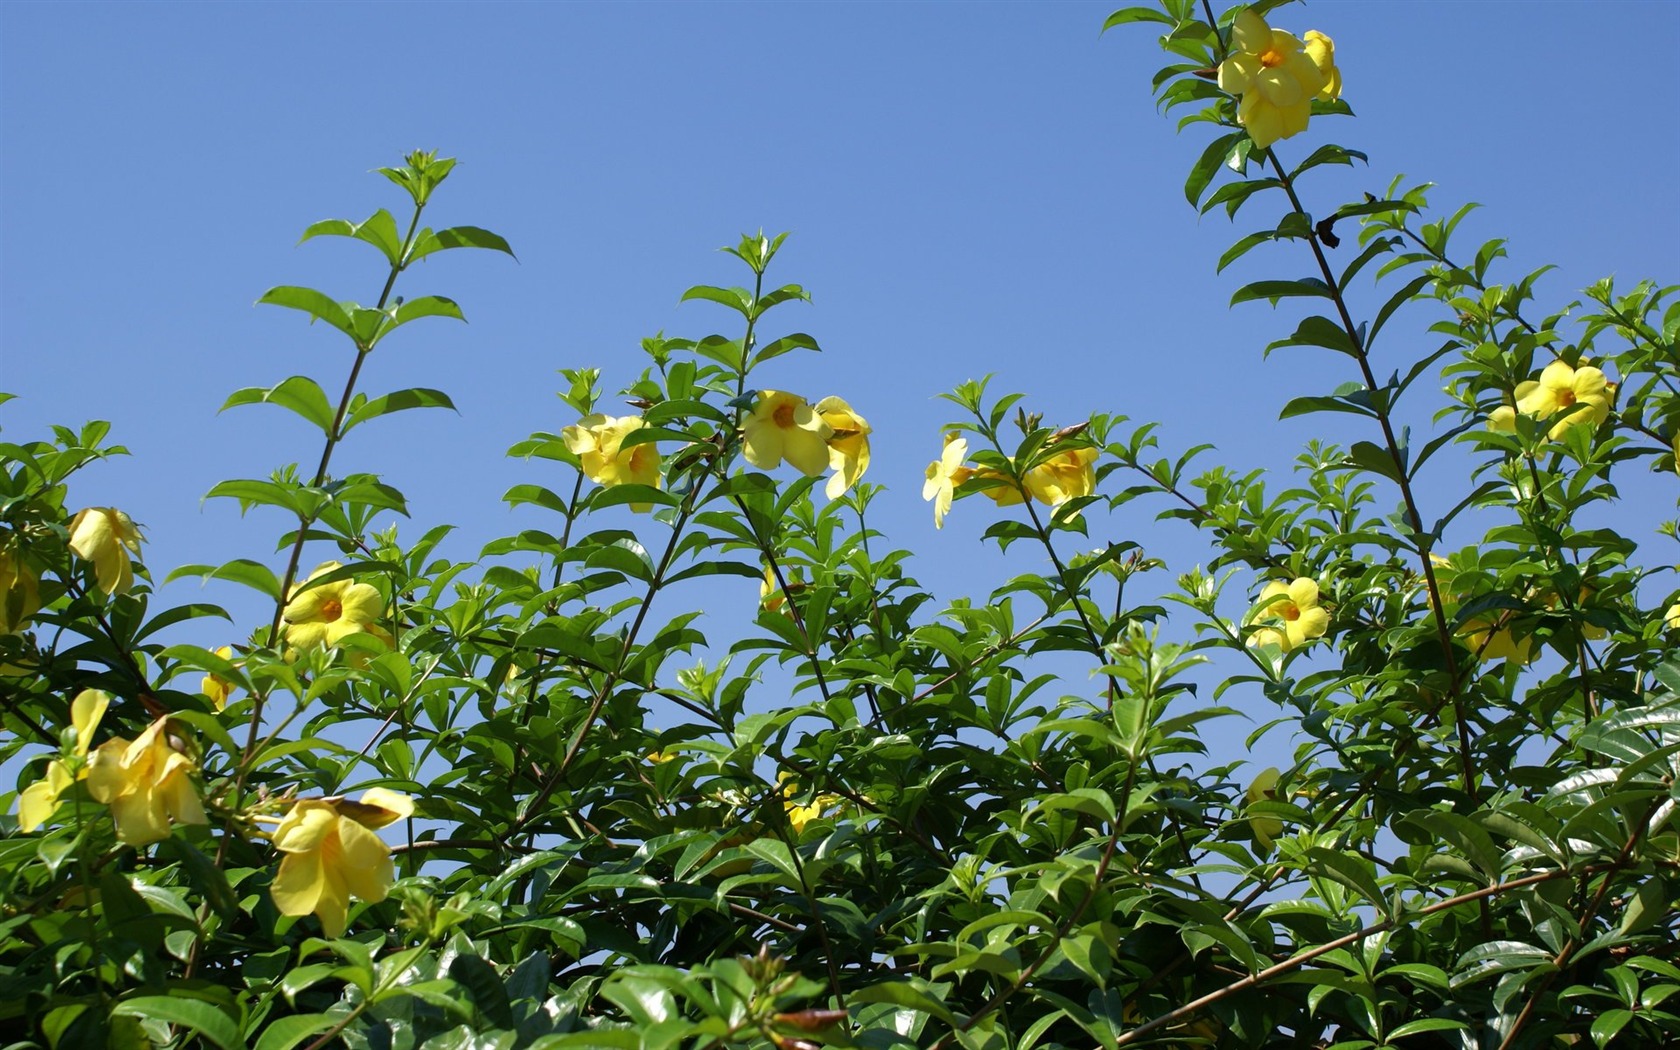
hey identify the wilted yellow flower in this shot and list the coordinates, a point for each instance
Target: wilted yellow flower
(38, 801)
(332, 853)
(598, 442)
(147, 784)
(1292, 613)
(1561, 388)
(323, 615)
(217, 688)
(1066, 475)
(1266, 829)
(848, 444)
(106, 537)
(783, 426)
(20, 593)
(1276, 78)
(944, 475)
(772, 597)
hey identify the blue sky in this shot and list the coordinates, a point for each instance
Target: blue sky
(971, 189)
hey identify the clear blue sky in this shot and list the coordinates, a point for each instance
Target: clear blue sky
(970, 188)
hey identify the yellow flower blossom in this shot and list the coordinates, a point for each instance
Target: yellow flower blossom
(798, 815)
(1488, 636)
(20, 592)
(322, 616)
(1291, 613)
(331, 853)
(1266, 829)
(38, 801)
(784, 426)
(1561, 388)
(848, 444)
(661, 757)
(106, 537)
(213, 685)
(147, 783)
(1068, 474)
(1006, 492)
(944, 475)
(1276, 78)
(598, 442)
(1503, 419)
(1671, 618)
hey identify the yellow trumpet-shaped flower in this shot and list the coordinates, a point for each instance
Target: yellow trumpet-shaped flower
(321, 616)
(217, 688)
(799, 815)
(598, 442)
(20, 592)
(772, 597)
(38, 801)
(331, 853)
(1671, 618)
(147, 783)
(1276, 77)
(944, 475)
(783, 426)
(1004, 490)
(1291, 615)
(1066, 475)
(1561, 388)
(1266, 829)
(848, 444)
(106, 537)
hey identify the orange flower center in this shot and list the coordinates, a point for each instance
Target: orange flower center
(1271, 57)
(332, 609)
(1291, 612)
(1566, 398)
(783, 415)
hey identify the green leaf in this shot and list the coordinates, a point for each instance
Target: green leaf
(1136, 14)
(482, 982)
(1208, 165)
(1374, 458)
(210, 1023)
(903, 993)
(1607, 1024)
(316, 304)
(1275, 290)
(299, 394)
(397, 401)
(738, 299)
(427, 306)
(287, 1032)
(1356, 873)
(241, 570)
(796, 341)
(178, 614)
(1302, 406)
(1318, 330)
(380, 230)
(456, 237)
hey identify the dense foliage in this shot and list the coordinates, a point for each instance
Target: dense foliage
(523, 801)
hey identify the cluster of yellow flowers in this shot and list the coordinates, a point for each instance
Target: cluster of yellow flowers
(1289, 614)
(1276, 77)
(1063, 475)
(813, 438)
(146, 782)
(1583, 393)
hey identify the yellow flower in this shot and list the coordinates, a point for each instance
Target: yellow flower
(20, 593)
(598, 442)
(1503, 419)
(1266, 829)
(38, 801)
(322, 616)
(1671, 618)
(783, 426)
(1293, 612)
(106, 537)
(1066, 475)
(1007, 492)
(944, 475)
(1322, 50)
(1276, 78)
(661, 757)
(217, 688)
(147, 784)
(848, 444)
(332, 853)
(1561, 388)
(798, 815)
(1488, 636)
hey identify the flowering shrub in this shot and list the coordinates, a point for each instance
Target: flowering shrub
(861, 820)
